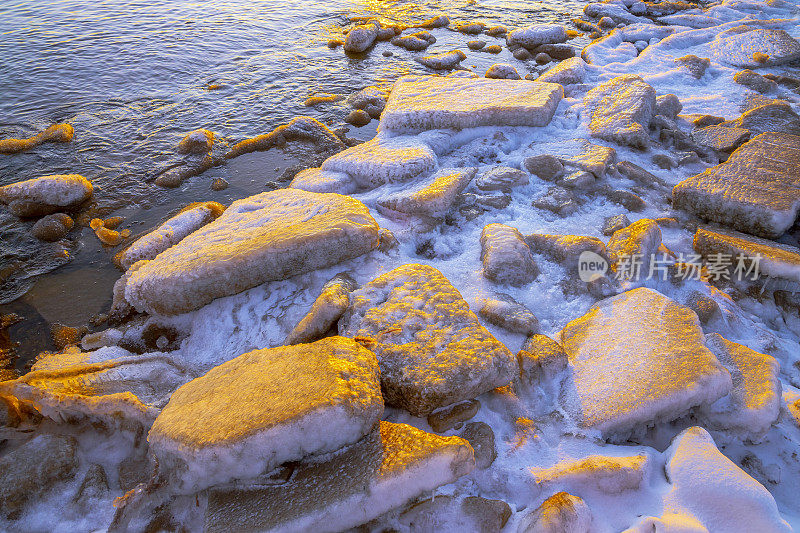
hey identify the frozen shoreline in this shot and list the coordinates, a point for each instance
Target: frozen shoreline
(535, 432)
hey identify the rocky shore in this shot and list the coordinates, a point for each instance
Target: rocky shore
(557, 295)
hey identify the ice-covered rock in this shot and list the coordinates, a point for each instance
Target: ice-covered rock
(615, 223)
(32, 469)
(566, 249)
(608, 474)
(536, 34)
(170, 233)
(196, 142)
(506, 256)
(757, 190)
(755, 81)
(430, 199)
(639, 358)
(444, 60)
(696, 66)
(557, 200)
(61, 133)
(559, 512)
(505, 312)
(501, 179)
(710, 493)
(415, 42)
(448, 513)
(755, 401)
(721, 138)
(620, 110)
(775, 260)
(302, 128)
(264, 408)
(45, 195)
(541, 359)
(745, 46)
(502, 71)
(431, 348)
(384, 470)
(126, 389)
(616, 12)
(325, 312)
(776, 116)
(569, 71)
(668, 105)
(371, 99)
(423, 103)
(545, 166)
(318, 180)
(266, 237)
(576, 153)
(446, 418)
(361, 37)
(639, 241)
(383, 160)
(358, 118)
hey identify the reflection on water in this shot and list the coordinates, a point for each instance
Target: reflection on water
(133, 76)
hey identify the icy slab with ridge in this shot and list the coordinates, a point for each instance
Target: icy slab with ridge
(389, 467)
(270, 236)
(265, 408)
(431, 348)
(637, 359)
(421, 103)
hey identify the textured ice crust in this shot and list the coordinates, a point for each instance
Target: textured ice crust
(265, 408)
(536, 34)
(419, 103)
(384, 470)
(638, 358)
(269, 236)
(433, 197)
(40, 196)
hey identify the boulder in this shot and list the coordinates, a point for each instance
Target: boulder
(536, 34)
(326, 311)
(431, 198)
(776, 116)
(755, 81)
(431, 348)
(361, 37)
(608, 474)
(565, 249)
(757, 190)
(721, 138)
(559, 512)
(545, 166)
(383, 160)
(576, 153)
(29, 471)
(501, 179)
(541, 359)
(389, 467)
(614, 223)
(45, 195)
(420, 103)
(639, 358)
(266, 237)
(668, 105)
(447, 418)
(197, 142)
(620, 109)
(264, 408)
(505, 312)
(52, 227)
(743, 46)
(639, 241)
(755, 401)
(502, 71)
(506, 256)
(567, 72)
(481, 437)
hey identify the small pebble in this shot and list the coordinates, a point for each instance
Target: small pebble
(358, 118)
(219, 184)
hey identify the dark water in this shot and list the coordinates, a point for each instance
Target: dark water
(132, 77)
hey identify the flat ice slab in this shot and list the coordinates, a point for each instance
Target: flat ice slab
(738, 46)
(431, 198)
(431, 348)
(420, 103)
(270, 236)
(620, 110)
(639, 358)
(265, 408)
(384, 470)
(757, 190)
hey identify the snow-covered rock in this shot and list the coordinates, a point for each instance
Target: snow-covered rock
(617, 13)
(710, 493)
(431, 348)
(45, 195)
(608, 474)
(501, 179)
(559, 512)
(420, 103)
(745, 46)
(668, 105)
(722, 138)
(536, 34)
(640, 240)
(448, 513)
(639, 358)
(502, 71)
(755, 401)
(620, 110)
(169, 233)
(383, 160)
(505, 312)
(577, 153)
(541, 359)
(266, 237)
(443, 61)
(757, 190)
(776, 260)
(325, 312)
(264, 408)
(115, 389)
(389, 467)
(565, 249)
(196, 142)
(569, 71)
(776, 116)
(318, 180)
(431, 198)
(506, 256)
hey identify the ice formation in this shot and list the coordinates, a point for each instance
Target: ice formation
(45, 195)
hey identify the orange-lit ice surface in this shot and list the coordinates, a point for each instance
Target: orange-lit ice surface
(492, 268)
